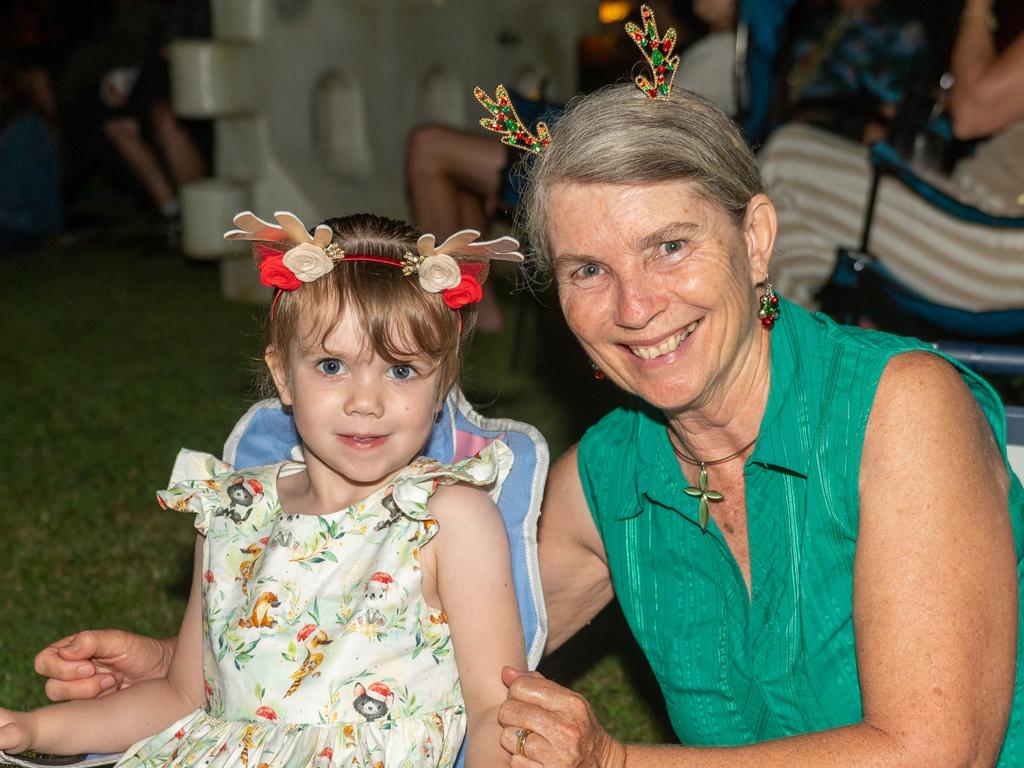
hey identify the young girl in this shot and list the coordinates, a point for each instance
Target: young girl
(354, 608)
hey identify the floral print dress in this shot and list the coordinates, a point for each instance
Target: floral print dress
(319, 649)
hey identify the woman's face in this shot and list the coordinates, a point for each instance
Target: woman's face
(658, 285)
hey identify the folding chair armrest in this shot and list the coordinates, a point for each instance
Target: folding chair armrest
(999, 359)
(886, 159)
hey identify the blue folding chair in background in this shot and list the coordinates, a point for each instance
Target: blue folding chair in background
(266, 434)
(1000, 360)
(859, 271)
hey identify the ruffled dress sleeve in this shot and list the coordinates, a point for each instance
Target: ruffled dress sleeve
(414, 487)
(197, 485)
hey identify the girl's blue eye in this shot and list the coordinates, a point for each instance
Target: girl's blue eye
(331, 366)
(402, 372)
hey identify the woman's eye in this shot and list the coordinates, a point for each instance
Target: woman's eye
(402, 372)
(588, 270)
(330, 366)
(672, 246)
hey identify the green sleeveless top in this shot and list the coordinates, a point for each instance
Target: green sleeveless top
(736, 670)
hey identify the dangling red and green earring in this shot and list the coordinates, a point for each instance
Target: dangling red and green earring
(598, 373)
(769, 309)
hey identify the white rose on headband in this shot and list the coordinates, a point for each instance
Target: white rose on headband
(308, 262)
(438, 273)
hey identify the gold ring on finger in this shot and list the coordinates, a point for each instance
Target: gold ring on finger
(521, 734)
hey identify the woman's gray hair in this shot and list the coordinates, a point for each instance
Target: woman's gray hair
(617, 135)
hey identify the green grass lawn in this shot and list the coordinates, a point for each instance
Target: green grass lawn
(115, 356)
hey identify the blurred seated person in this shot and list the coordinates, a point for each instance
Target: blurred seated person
(30, 203)
(819, 182)
(459, 179)
(32, 38)
(849, 64)
(135, 103)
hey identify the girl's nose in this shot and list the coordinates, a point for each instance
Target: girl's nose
(364, 398)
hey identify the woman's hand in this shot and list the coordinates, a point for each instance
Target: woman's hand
(95, 662)
(15, 731)
(560, 728)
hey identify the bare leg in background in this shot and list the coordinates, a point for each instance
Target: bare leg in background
(454, 179)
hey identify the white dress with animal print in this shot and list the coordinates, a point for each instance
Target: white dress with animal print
(319, 649)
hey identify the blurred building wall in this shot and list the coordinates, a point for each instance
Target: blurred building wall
(312, 100)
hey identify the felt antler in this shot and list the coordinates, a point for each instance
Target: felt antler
(463, 243)
(252, 227)
(506, 122)
(658, 52)
(438, 265)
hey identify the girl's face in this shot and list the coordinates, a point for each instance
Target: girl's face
(361, 418)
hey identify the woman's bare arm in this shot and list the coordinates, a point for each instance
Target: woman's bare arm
(573, 565)
(96, 662)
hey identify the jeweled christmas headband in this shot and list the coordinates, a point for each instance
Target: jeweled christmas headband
(657, 51)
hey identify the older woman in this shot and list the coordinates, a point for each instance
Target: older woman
(853, 597)
(810, 528)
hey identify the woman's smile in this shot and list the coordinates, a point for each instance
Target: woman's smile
(669, 344)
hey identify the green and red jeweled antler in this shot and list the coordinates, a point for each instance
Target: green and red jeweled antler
(506, 122)
(658, 52)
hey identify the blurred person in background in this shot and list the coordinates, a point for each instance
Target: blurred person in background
(30, 200)
(819, 182)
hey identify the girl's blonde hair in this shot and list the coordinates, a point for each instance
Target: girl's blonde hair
(400, 318)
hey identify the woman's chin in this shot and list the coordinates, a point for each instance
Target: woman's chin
(667, 382)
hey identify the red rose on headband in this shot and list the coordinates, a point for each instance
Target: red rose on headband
(274, 273)
(468, 291)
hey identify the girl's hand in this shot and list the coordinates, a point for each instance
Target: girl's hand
(95, 662)
(560, 727)
(15, 731)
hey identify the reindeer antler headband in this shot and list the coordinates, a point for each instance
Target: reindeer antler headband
(288, 256)
(657, 52)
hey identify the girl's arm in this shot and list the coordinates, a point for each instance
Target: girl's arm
(115, 722)
(469, 565)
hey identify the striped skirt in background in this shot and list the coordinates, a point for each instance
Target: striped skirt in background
(819, 184)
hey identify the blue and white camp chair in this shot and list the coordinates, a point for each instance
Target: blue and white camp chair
(266, 434)
(857, 268)
(1001, 360)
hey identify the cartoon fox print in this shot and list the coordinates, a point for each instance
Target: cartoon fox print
(315, 639)
(243, 757)
(260, 616)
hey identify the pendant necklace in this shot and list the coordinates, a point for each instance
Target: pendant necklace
(701, 490)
